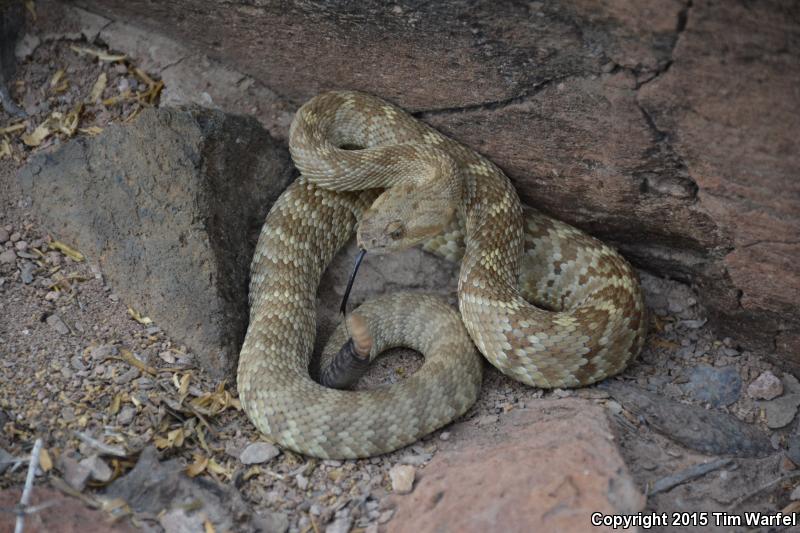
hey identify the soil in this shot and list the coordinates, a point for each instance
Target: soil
(76, 361)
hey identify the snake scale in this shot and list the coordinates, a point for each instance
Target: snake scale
(544, 302)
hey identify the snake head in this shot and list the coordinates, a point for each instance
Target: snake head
(404, 216)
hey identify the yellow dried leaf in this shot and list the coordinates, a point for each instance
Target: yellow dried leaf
(138, 317)
(161, 442)
(127, 356)
(198, 466)
(57, 78)
(183, 388)
(5, 149)
(113, 409)
(19, 126)
(44, 460)
(91, 130)
(99, 87)
(70, 252)
(99, 54)
(208, 526)
(176, 437)
(217, 468)
(135, 401)
(68, 124)
(251, 472)
(38, 135)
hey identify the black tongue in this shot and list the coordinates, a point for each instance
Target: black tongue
(359, 258)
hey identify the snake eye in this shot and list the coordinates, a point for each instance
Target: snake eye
(395, 230)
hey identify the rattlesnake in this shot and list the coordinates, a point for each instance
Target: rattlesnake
(363, 160)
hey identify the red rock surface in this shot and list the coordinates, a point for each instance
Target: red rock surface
(65, 515)
(545, 468)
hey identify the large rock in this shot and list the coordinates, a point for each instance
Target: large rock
(668, 128)
(169, 205)
(545, 468)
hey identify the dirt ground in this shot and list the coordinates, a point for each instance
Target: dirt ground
(76, 362)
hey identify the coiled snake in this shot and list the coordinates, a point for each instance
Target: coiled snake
(363, 160)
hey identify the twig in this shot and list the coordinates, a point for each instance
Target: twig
(102, 447)
(688, 474)
(26, 492)
(735, 505)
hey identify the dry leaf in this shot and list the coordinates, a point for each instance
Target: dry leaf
(113, 409)
(98, 88)
(183, 388)
(216, 468)
(138, 317)
(5, 149)
(19, 126)
(38, 135)
(208, 526)
(44, 460)
(99, 54)
(198, 466)
(31, 7)
(91, 130)
(58, 83)
(67, 250)
(127, 356)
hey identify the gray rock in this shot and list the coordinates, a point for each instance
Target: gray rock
(271, 522)
(103, 351)
(55, 322)
(5, 460)
(175, 196)
(27, 272)
(98, 469)
(4, 235)
(126, 415)
(340, 525)
(153, 486)
(793, 448)
(8, 256)
(706, 431)
(767, 386)
(75, 474)
(781, 411)
(128, 376)
(717, 386)
(258, 452)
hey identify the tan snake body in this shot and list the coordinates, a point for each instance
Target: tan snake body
(586, 320)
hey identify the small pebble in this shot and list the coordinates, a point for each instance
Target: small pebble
(444, 435)
(15, 237)
(21, 245)
(386, 516)
(795, 495)
(55, 322)
(126, 415)
(3, 235)
(259, 452)
(98, 469)
(27, 272)
(767, 386)
(8, 256)
(127, 377)
(302, 481)
(402, 477)
(75, 474)
(340, 525)
(103, 351)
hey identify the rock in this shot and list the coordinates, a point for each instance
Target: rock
(27, 272)
(181, 521)
(4, 235)
(75, 474)
(301, 481)
(259, 452)
(402, 477)
(340, 525)
(706, 431)
(26, 46)
(15, 236)
(415, 459)
(175, 196)
(793, 448)
(21, 246)
(126, 415)
(781, 411)
(765, 387)
(8, 256)
(493, 478)
(624, 151)
(717, 386)
(103, 351)
(55, 322)
(155, 487)
(271, 522)
(98, 469)
(57, 512)
(128, 376)
(444, 435)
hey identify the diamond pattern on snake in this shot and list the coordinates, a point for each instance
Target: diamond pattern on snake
(542, 301)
